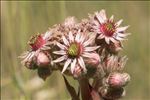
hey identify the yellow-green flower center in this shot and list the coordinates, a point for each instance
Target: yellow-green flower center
(74, 50)
(109, 26)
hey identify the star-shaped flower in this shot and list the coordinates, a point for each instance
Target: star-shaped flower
(74, 49)
(37, 43)
(108, 28)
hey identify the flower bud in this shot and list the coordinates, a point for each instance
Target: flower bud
(117, 80)
(111, 93)
(43, 59)
(44, 72)
(114, 47)
(114, 63)
(70, 22)
(94, 60)
(77, 71)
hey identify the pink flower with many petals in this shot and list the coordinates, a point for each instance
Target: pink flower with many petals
(108, 29)
(74, 49)
(37, 44)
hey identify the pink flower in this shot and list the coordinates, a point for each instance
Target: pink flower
(108, 29)
(37, 43)
(40, 42)
(74, 49)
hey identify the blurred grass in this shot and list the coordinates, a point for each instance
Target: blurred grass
(20, 20)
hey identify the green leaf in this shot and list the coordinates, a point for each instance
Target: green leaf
(71, 90)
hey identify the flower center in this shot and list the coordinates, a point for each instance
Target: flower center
(108, 28)
(74, 50)
(36, 42)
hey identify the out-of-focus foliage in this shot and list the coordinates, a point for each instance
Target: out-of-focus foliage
(20, 20)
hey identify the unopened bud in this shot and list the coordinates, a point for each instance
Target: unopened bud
(114, 63)
(94, 60)
(117, 80)
(43, 59)
(44, 72)
(111, 93)
(70, 22)
(77, 71)
(114, 47)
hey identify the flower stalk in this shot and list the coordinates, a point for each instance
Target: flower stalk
(85, 89)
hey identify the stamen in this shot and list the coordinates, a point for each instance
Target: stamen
(36, 42)
(108, 28)
(74, 50)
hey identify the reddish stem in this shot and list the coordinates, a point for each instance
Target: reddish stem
(85, 89)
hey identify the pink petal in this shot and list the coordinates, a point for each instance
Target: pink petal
(100, 19)
(111, 18)
(113, 40)
(48, 43)
(29, 57)
(86, 54)
(61, 52)
(45, 47)
(107, 40)
(82, 37)
(122, 29)
(66, 65)
(103, 14)
(119, 22)
(123, 61)
(120, 38)
(71, 38)
(24, 55)
(82, 64)
(60, 59)
(61, 46)
(91, 48)
(123, 34)
(90, 40)
(73, 65)
(65, 40)
(78, 36)
(96, 23)
(101, 36)
(47, 35)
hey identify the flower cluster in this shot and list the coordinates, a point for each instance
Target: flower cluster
(87, 49)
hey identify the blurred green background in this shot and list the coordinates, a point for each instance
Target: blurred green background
(20, 20)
